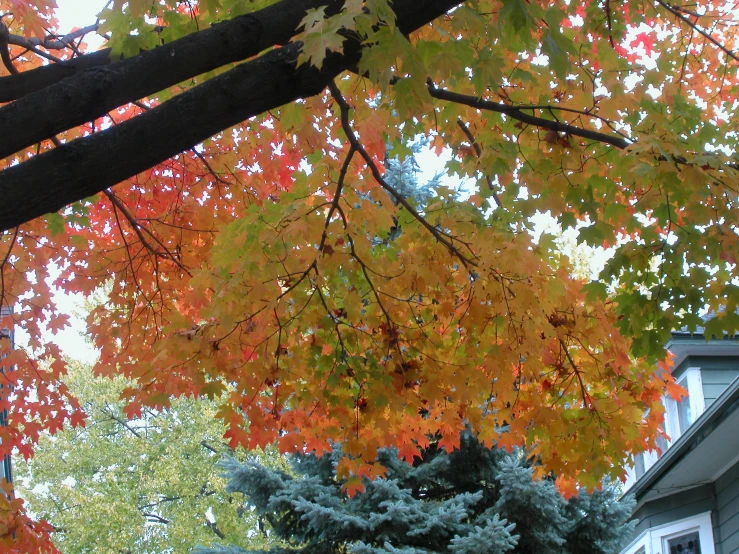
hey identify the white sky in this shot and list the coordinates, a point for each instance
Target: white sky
(77, 13)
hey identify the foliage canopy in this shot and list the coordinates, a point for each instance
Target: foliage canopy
(219, 166)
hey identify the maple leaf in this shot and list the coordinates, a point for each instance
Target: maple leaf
(675, 391)
(322, 34)
(645, 40)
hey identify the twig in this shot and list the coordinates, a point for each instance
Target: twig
(4, 51)
(345, 108)
(478, 151)
(137, 228)
(677, 13)
(52, 42)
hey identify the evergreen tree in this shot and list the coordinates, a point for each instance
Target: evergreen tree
(475, 500)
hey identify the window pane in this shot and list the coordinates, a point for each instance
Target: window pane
(639, 465)
(684, 416)
(662, 444)
(686, 544)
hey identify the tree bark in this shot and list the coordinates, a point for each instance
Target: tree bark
(26, 82)
(85, 166)
(91, 93)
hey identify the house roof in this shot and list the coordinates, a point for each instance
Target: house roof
(700, 455)
(684, 343)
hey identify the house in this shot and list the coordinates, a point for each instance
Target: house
(687, 496)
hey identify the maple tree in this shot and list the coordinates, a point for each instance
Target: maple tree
(218, 166)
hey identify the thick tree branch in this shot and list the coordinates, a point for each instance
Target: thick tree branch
(17, 86)
(21, 84)
(88, 165)
(92, 93)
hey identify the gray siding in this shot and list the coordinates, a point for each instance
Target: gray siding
(720, 498)
(717, 372)
(726, 522)
(715, 380)
(674, 507)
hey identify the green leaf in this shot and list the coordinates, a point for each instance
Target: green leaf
(557, 46)
(514, 13)
(56, 223)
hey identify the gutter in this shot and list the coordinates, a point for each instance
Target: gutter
(709, 420)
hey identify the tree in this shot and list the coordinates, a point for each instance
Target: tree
(147, 485)
(219, 166)
(475, 499)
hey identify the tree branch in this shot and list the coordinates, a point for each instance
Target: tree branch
(4, 52)
(213, 527)
(125, 424)
(470, 137)
(88, 165)
(154, 518)
(21, 84)
(515, 112)
(355, 145)
(676, 11)
(52, 42)
(140, 229)
(92, 93)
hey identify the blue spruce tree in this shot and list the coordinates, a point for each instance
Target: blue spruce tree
(474, 500)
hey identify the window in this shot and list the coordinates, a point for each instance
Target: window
(685, 544)
(693, 535)
(639, 469)
(684, 414)
(681, 414)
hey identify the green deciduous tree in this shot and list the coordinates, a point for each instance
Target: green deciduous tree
(148, 485)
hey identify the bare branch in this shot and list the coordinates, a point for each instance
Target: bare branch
(52, 42)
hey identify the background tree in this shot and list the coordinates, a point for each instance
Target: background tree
(226, 177)
(149, 485)
(474, 500)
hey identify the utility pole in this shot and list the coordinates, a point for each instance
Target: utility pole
(6, 333)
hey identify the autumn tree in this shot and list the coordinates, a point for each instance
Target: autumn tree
(218, 165)
(473, 500)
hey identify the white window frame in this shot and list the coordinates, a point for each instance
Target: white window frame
(693, 382)
(691, 379)
(654, 540)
